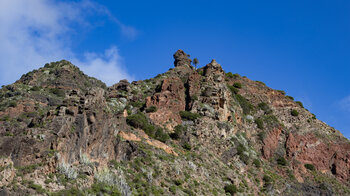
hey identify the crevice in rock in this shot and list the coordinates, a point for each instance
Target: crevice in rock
(188, 99)
(334, 169)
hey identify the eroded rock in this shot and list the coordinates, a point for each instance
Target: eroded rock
(182, 59)
(169, 102)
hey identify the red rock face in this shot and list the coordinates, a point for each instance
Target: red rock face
(193, 88)
(271, 143)
(169, 102)
(308, 149)
(291, 146)
(21, 107)
(340, 163)
(334, 157)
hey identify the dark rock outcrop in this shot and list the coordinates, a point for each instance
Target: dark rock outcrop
(182, 59)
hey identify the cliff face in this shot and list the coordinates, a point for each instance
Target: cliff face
(184, 132)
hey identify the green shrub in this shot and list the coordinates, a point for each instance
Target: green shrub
(265, 107)
(104, 189)
(245, 105)
(189, 192)
(267, 180)
(158, 76)
(309, 167)
(237, 85)
(325, 186)
(230, 75)
(294, 113)
(12, 104)
(178, 182)
(282, 92)
(240, 149)
(151, 109)
(299, 103)
(244, 158)
(313, 116)
(138, 120)
(271, 121)
(178, 131)
(9, 134)
(290, 97)
(35, 88)
(233, 89)
(267, 122)
(186, 115)
(200, 72)
(137, 104)
(129, 111)
(257, 163)
(187, 146)
(259, 123)
(37, 187)
(231, 189)
(261, 83)
(48, 181)
(161, 135)
(5, 118)
(236, 75)
(150, 130)
(69, 192)
(262, 135)
(58, 92)
(290, 174)
(194, 98)
(27, 169)
(172, 189)
(281, 161)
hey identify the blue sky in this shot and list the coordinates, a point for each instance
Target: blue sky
(302, 47)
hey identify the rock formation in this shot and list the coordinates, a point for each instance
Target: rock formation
(182, 59)
(184, 132)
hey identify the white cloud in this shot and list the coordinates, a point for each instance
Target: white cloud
(345, 103)
(110, 62)
(34, 32)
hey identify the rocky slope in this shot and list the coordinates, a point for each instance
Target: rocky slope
(184, 132)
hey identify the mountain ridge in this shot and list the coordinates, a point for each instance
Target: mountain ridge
(185, 132)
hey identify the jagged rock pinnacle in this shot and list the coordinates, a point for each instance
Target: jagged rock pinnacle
(213, 69)
(214, 64)
(181, 59)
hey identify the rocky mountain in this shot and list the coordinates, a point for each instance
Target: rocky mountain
(184, 132)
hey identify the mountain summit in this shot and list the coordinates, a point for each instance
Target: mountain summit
(185, 132)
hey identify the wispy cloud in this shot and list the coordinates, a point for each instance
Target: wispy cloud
(345, 103)
(126, 30)
(34, 32)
